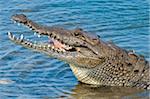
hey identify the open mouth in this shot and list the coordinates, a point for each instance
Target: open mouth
(54, 43)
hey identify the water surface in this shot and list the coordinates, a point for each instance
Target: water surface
(25, 74)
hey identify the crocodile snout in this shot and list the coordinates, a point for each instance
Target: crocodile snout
(21, 18)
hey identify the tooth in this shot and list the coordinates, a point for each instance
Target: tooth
(30, 28)
(34, 33)
(18, 24)
(12, 36)
(14, 21)
(21, 37)
(52, 47)
(133, 51)
(63, 50)
(39, 35)
(27, 42)
(17, 38)
(30, 44)
(58, 50)
(9, 34)
(49, 46)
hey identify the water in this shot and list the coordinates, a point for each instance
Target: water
(25, 74)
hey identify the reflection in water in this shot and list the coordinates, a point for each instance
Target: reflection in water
(5, 81)
(84, 91)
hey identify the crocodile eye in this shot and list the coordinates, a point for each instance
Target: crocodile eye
(76, 34)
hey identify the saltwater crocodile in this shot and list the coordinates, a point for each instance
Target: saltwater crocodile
(92, 60)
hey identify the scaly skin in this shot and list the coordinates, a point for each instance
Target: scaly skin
(92, 60)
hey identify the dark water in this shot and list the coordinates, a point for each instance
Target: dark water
(25, 74)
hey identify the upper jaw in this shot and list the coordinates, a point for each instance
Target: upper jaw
(56, 33)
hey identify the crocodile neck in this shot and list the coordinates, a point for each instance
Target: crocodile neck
(83, 74)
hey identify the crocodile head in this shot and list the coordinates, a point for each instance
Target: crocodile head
(73, 46)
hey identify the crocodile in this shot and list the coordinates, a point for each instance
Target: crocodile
(92, 60)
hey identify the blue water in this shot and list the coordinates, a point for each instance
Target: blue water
(25, 74)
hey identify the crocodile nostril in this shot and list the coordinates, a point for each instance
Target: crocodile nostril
(50, 34)
(54, 37)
